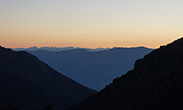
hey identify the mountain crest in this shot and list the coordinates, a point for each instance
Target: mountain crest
(2, 48)
(178, 42)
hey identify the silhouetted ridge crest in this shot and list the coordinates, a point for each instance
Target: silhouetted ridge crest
(178, 42)
(163, 57)
(155, 83)
(3, 49)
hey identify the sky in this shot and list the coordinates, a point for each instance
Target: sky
(90, 23)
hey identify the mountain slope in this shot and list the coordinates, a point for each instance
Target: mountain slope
(155, 83)
(28, 83)
(93, 69)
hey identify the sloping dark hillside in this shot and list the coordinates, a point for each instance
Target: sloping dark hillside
(155, 83)
(93, 69)
(29, 84)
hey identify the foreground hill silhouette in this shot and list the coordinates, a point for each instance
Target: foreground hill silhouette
(93, 69)
(29, 84)
(155, 83)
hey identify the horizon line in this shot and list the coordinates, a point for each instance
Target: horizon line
(75, 47)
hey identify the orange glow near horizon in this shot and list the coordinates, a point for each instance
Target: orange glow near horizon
(25, 42)
(89, 24)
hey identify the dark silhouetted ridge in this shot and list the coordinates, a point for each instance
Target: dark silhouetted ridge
(29, 84)
(155, 83)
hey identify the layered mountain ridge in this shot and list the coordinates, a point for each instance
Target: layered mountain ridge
(58, 49)
(155, 83)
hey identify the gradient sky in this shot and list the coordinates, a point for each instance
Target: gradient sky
(90, 23)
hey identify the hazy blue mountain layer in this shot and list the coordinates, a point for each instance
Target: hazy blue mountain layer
(92, 69)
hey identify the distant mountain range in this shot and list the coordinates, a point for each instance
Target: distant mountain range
(94, 69)
(26, 83)
(155, 83)
(58, 49)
